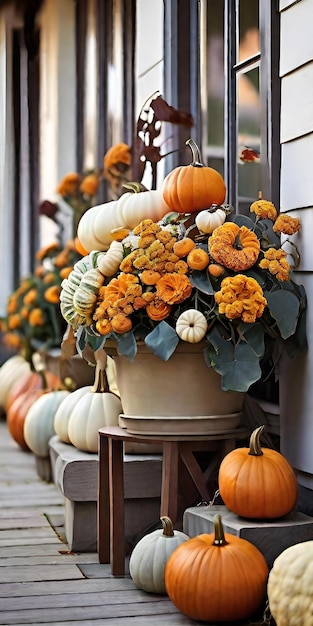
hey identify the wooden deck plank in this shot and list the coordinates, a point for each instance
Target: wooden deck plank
(45, 572)
(56, 587)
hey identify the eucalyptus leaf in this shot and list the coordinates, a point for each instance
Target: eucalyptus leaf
(238, 365)
(284, 308)
(201, 281)
(126, 344)
(244, 220)
(162, 341)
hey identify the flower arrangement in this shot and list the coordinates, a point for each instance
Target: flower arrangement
(33, 319)
(207, 276)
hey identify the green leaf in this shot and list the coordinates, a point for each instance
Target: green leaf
(238, 365)
(201, 281)
(126, 344)
(284, 308)
(162, 341)
(254, 335)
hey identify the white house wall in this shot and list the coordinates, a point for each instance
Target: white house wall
(6, 163)
(149, 59)
(57, 100)
(296, 71)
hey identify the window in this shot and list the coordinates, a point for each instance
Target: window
(240, 96)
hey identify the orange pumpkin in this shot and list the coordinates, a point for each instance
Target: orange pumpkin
(31, 380)
(257, 482)
(191, 188)
(216, 577)
(235, 247)
(17, 413)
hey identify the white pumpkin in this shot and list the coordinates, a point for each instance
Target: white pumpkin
(290, 586)
(96, 408)
(207, 220)
(191, 326)
(149, 556)
(39, 421)
(64, 411)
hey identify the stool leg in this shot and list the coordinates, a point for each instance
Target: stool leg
(116, 478)
(103, 502)
(169, 489)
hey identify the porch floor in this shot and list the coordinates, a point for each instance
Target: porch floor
(41, 581)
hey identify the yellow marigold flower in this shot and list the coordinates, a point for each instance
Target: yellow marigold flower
(36, 317)
(30, 297)
(165, 237)
(145, 225)
(148, 296)
(158, 266)
(155, 249)
(264, 209)
(286, 224)
(103, 326)
(142, 262)
(276, 263)
(126, 265)
(233, 301)
(146, 240)
(170, 267)
(173, 288)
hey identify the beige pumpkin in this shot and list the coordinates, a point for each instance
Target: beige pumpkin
(64, 411)
(39, 421)
(10, 372)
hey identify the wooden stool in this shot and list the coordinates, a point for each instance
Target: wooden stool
(111, 480)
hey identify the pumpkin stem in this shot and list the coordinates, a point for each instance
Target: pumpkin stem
(196, 158)
(101, 382)
(40, 369)
(167, 526)
(219, 537)
(255, 446)
(134, 187)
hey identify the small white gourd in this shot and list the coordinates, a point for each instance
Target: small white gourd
(108, 263)
(149, 556)
(206, 221)
(191, 326)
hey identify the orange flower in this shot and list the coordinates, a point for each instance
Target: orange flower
(49, 278)
(121, 323)
(264, 209)
(90, 184)
(198, 259)
(69, 184)
(119, 153)
(150, 277)
(174, 288)
(65, 272)
(14, 321)
(43, 252)
(30, 297)
(183, 247)
(36, 317)
(53, 294)
(158, 310)
(104, 326)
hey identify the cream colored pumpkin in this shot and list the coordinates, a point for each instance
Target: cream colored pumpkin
(39, 421)
(64, 411)
(96, 225)
(206, 221)
(290, 586)
(191, 326)
(96, 408)
(150, 554)
(10, 371)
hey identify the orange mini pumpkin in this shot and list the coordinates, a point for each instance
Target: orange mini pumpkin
(257, 483)
(198, 259)
(191, 188)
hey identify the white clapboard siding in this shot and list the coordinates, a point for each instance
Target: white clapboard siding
(297, 103)
(296, 173)
(296, 36)
(285, 4)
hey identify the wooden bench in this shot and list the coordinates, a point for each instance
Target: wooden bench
(75, 473)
